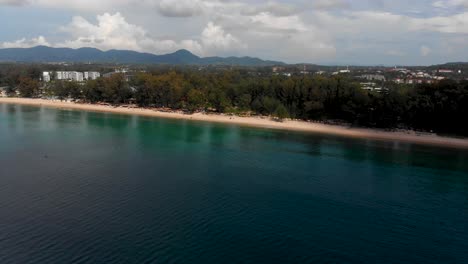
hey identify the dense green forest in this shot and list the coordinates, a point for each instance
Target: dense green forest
(440, 107)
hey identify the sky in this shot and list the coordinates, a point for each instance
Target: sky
(354, 32)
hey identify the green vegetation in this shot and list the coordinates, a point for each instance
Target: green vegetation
(28, 87)
(440, 107)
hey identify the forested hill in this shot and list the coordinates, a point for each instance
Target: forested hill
(85, 55)
(455, 66)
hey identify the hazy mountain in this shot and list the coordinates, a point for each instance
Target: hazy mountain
(83, 55)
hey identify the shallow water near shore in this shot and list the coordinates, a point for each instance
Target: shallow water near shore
(84, 187)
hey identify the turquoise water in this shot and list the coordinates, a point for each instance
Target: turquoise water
(83, 187)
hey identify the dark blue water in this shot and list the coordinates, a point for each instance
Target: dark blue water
(81, 187)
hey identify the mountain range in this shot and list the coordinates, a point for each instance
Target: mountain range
(92, 55)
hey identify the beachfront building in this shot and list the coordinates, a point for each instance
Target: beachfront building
(76, 76)
(46, 76)
(63, 75)
(91, 75)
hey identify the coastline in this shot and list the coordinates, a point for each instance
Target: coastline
(259, 122)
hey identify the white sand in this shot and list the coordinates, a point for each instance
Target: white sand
(262, 122)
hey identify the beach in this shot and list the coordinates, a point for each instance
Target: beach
(260, 122)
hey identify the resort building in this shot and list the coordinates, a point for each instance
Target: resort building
(46, 76)
(91, 75)
(73, 76)
(64, 75)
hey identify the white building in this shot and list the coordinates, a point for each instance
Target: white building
(77, 76)
(344, 71)
(63, 75)
(46, 76)
(91, 75)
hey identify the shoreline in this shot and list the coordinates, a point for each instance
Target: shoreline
(259, 122)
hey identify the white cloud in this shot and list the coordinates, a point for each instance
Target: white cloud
(231, 32)
(272, 23)
(112, 31)
(25, 43)
(300, 30)
(214, 38)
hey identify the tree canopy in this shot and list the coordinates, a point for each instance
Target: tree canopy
(441, 107)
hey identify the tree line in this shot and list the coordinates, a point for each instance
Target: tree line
(440, 107)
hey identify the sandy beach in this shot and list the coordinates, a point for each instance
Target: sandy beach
(261, 122)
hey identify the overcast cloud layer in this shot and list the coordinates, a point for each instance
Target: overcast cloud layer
(417, 32)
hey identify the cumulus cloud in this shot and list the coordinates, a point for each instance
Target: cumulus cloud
(276, 29)
(214, 38)
(112, 31)
(26, 43)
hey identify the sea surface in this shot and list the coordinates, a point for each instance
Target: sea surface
(84, 187)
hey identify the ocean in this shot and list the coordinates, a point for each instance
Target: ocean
(85, 187)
